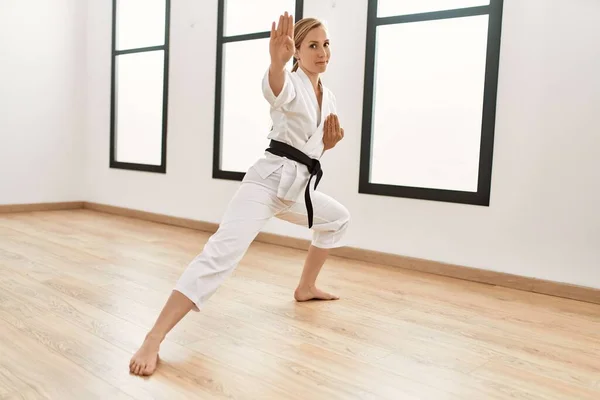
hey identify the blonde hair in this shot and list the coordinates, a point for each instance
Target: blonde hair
(301, 29)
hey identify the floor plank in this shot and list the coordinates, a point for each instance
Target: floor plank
(79, 289)
(42, 372)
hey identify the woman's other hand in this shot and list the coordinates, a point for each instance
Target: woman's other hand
(332, 132)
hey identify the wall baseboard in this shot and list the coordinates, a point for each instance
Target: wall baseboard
(557, 289)
(152, 217)
(67, 205)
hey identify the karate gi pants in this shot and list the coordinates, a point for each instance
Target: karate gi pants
(252, 206)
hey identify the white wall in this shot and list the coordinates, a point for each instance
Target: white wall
(543, 220)
(41, 100)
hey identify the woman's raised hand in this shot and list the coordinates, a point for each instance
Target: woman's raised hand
(281, 45)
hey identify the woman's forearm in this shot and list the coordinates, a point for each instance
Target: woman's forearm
(276, 77)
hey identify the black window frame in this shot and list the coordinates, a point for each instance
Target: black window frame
(482, 196)
(222, 40)
(162, 168)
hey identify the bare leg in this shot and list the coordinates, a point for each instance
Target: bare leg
(331, 221)
(307, 289)
(145, 359)
(249, 210)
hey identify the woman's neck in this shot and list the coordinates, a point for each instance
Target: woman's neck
(314, 78)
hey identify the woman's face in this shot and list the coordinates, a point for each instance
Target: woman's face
(314, 53)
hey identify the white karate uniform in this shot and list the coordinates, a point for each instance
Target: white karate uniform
(273, 187)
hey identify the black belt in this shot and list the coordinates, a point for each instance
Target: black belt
(314, 167)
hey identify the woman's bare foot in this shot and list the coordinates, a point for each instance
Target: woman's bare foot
(144, 361)
(312, 293)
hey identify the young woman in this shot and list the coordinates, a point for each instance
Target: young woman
(305, 125)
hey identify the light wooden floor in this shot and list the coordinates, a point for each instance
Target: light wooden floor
(79, 289)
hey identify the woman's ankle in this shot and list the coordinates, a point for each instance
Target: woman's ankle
(306, 284)
(155, 336)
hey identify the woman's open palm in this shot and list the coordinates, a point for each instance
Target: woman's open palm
(281, 45)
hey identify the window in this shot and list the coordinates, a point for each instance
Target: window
(140, 80)
(242, 120)
(429, 99)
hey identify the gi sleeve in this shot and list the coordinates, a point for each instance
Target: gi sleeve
(288, 92)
